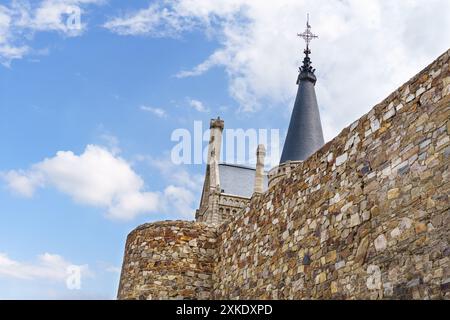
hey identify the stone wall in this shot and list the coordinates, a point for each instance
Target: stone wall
(366, 217)
(168, 260)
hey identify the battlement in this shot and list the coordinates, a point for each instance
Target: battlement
(365, 217)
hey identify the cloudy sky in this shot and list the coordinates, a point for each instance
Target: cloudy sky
(88, 106)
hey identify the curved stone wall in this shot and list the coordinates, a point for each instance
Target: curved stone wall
(168, 260)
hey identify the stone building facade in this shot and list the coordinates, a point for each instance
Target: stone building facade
(365, 217)
(227, 188)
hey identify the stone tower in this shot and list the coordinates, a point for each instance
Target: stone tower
(305, 134)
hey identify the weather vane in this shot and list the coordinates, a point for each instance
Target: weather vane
(308, 36)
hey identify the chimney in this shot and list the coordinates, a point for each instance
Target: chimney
(259, 174)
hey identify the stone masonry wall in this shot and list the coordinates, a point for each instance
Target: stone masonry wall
(168, 260)
(366, 217)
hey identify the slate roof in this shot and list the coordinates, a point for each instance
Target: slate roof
(238, 180)
(305, 134)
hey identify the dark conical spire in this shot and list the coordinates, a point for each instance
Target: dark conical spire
(305, 134)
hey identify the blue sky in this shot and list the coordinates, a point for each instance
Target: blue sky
(86, 116)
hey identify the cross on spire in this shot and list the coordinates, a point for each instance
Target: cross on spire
(308, 36)
(306, 70)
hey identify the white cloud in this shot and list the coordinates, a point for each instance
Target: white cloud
(97, 178)
(113, 269)
(23, 183)
(112, 142)
(182, 195)
(180, 200)
(100, 178)
(8, 52)
(47, 267)
(366, 48)
(22, 18)
(5, 21)
(215, 59)
(161, 113)
(197, 105)
(176, 173)
(62, 16)
(155, 20)
(171, 18)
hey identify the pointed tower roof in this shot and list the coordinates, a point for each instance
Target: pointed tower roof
(305, 134)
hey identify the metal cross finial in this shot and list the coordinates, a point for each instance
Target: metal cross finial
(308, 36)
